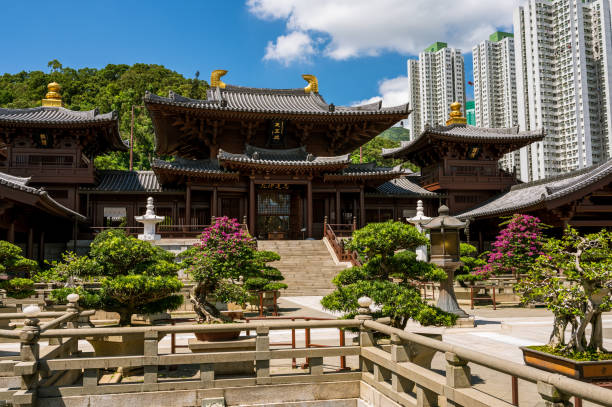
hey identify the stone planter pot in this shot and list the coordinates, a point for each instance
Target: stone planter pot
(119, 345)
(217, 336)
(586, 371)
(244, 344)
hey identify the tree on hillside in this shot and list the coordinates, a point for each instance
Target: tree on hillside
(114, 87)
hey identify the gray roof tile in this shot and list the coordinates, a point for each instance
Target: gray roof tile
(208, 166)
(54, 115)
(405, 187)
(244, 99)
(126, 181)
(284, 157)
(20, 184)
(527, 195)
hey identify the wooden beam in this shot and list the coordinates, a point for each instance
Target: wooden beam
(594, 223)
(594, 208)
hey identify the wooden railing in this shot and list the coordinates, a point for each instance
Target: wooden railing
(337, 235)
(393, 370)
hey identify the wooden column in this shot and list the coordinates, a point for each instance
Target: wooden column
(30, 247)
(338, 220)
(188, 205)
(252, 207)
(41, 246)
(362, 211)
(213, 207)
(10, 235)
(309, 208)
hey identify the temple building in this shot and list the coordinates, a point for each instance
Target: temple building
(276, 159)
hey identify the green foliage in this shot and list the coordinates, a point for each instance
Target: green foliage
(587, 355)
(387, 248)
(372, 150)
(225, 257)
(114, 87)
(470, 262)
(16, 268)
(136, 277)
(18, 287)
(573, 278)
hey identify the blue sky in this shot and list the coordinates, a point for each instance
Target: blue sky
(357, 48)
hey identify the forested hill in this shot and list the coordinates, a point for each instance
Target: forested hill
(114, 87)
(118, 87)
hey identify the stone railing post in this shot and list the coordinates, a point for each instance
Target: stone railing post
(262, 354)
(458, 375)
(150, 354)
(400, 353)
(551, 396)
(366, 337)
(73, 323)
(29, 352)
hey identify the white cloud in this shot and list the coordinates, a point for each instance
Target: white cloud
(295, 46)
(352, 28)
(393, 92)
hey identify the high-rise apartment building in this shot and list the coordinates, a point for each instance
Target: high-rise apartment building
(495, 88)
(563, 56)
(435, 80)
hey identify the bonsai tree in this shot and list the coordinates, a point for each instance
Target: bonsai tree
(470, 263)
(15, 271)
(388, 275)
(225, 265)
(136, 277)
(586, 264)
(516, 248)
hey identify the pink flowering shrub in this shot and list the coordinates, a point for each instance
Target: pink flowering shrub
(225, 265)
(516, 248)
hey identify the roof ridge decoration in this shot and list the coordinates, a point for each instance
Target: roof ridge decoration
(313, 83)
(53, 97)
(215, 78)
(456, 117)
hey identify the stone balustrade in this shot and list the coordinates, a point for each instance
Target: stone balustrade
(391, 371)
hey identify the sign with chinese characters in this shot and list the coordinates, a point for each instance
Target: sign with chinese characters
(277, 133)
(274, 186)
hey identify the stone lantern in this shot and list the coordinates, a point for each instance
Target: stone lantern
(444, 234)
(149, 220)
(418, 220)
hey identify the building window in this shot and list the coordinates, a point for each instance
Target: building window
(115, 217)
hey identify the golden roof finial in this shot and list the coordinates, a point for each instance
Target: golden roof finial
(53, 97)
(215, 78)
(313, 83)
(455, 115)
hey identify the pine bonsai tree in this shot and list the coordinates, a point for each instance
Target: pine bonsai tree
(136, 277)
(470, 263)
(388, 251)
(16, 271)
(580, 300)
(225, 265)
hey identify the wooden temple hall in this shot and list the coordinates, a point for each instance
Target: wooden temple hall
(276, 159)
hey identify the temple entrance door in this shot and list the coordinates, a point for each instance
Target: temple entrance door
(273, 214)
(230, 207)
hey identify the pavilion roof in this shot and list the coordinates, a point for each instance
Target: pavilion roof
(543, 193)
(277, 101)
(404, 187)
(461, 133)
(208, 168)
(365, 171)
(44, 200)
(294, 158)
(113, 181)
(59, 117)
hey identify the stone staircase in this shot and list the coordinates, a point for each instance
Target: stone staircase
(307, 265)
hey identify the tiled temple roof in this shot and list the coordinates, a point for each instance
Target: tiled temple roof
(404, 187)
(366, 171)
(295, 157)
(59, 117)
(208, 167)
(466, 134)
(292, 101)
(126, 181)
(538, 193)
(20, 184)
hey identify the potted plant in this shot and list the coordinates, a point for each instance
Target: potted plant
(470, 263)
(224, 264)
(574, 280)
(265, 281)
(15, 271)
(135, 277)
